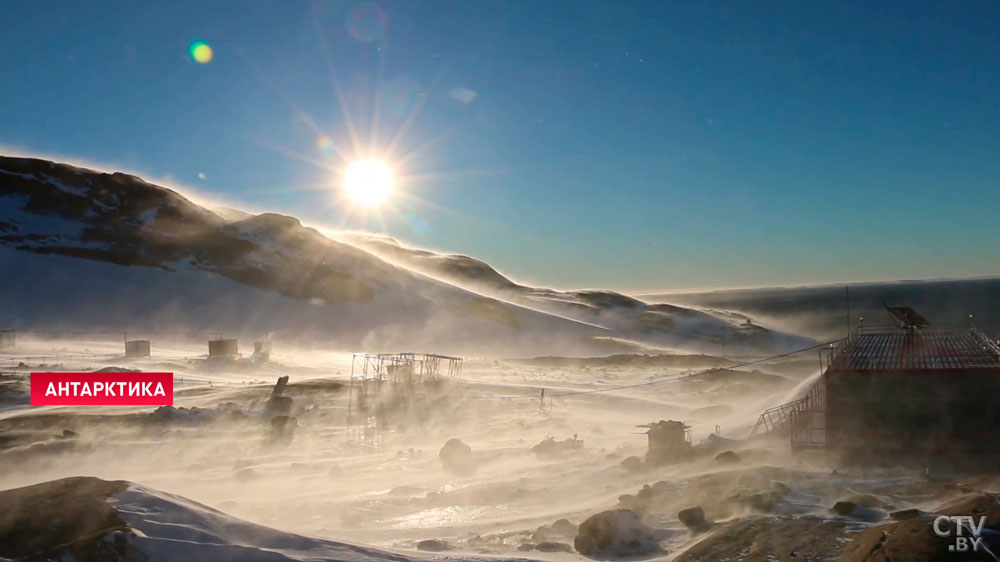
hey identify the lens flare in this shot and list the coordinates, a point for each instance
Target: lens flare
(200, 52)
(366, 22)
(368, 182)
(325, 146)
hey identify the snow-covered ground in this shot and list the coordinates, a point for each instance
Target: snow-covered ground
(215, 450)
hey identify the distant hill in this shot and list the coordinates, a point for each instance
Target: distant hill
(821, 311)
(651, 324)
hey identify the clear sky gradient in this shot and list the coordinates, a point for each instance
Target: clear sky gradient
(636, 146)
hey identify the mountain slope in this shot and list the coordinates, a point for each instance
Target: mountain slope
(111, 250)
(151, 259)
(661, 324)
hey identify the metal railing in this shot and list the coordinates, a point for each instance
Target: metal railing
(783, 415)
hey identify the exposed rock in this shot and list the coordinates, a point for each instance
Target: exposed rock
(759, 501)
(282, 430)
(564, 527)
(727, 457)
(971, 504)
(867, 500)
(910, 541)
(693, 518)
(433, 545)
(633, 464)
(844, 508)
(68, 519)
(619, 532)
(766, 539)
(550, 546)
(627, 501)
(905, 514)
(457, 456)
(278, 404)
(647, 497)
(561, 528)
(549, 447)
(977, 505)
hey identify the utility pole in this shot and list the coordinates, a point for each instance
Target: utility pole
(847, 298)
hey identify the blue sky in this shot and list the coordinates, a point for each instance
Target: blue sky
(636, 146)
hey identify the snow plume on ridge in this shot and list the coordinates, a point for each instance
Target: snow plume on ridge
(90, 247)
(359, 289)
(656, 326)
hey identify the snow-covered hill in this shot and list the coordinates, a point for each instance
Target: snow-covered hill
(658, 325)
(82, 248)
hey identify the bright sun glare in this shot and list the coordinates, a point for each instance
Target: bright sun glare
(368, 182)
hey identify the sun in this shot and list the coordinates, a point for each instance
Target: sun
(368, 182)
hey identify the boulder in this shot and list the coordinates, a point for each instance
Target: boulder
(633, 464)
(844, 508)
(727, 457)
(693, 518)
(763, 501)
(564, 527)
(618, 532)
(456, 455)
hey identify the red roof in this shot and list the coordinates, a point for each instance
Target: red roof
(894, 349)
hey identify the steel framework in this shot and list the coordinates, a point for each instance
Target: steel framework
(379, 378)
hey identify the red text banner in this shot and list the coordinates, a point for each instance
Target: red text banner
(102, 389)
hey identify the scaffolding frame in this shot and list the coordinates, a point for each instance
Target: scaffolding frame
(376, 375)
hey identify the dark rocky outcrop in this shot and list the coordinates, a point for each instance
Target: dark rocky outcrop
(619, 532)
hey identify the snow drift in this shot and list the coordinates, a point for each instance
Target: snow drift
(92, 519)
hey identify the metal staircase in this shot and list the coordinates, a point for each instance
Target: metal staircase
(804, 418)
